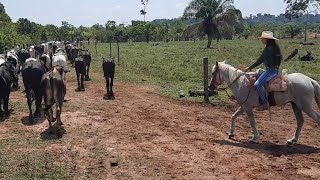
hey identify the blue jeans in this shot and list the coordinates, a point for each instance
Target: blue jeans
(262, 80)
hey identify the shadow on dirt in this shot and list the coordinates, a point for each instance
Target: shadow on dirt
(4, 117)
(271, 148)
(109, 97)
(35, 121)
(53, 134)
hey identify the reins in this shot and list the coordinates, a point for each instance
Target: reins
(235, 80)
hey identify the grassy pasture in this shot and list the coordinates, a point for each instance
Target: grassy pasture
(177, 66)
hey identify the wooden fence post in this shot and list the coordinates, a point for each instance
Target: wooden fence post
(95, 46)
(205, 80)
(118, 52)
(110, 49)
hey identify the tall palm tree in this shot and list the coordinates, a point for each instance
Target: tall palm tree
(215, 14)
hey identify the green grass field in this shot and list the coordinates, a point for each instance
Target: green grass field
(177, 66)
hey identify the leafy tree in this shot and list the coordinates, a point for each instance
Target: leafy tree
(214, 13)
(143, 11)
(110, 30)
(24, 26)
(52, 31)
(4, 17)
(296, 8)
(292, 29)
(66, 31)
(247, 31)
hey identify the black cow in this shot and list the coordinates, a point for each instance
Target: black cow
(74, 54)
(6, 76)
(68, 48)
(109, 70)
(307, 57)
(23, 55)
(32, 72)
(54, 90)
(87, 60)
(11, 57)
(46, 60)
(54, 48)
(39, 49)
(80, 66)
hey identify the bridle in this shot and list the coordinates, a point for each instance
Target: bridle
(218, 82)
(217, 71)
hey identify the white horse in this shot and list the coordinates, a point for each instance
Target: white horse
(300, 93)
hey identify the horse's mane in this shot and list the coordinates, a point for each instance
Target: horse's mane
(232, 71)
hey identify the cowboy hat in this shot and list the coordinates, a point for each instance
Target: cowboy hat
(267, 35)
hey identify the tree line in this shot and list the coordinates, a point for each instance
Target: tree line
(211, 19)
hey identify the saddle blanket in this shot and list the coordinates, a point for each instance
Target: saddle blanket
(276, 84)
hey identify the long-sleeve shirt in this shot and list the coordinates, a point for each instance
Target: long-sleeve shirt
(269, 58)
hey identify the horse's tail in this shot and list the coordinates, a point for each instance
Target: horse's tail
(316, 91)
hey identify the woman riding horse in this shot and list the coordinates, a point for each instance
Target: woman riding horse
(271, 57)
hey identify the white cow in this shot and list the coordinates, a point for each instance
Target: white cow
(12, 54)
(2, 59)
(32, 52)
(59, 59)
(31, 59)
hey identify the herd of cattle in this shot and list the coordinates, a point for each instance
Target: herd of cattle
(43, 70)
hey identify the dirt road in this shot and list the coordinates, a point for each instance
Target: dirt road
(148, 136)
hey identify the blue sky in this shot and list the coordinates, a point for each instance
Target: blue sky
(87, 13)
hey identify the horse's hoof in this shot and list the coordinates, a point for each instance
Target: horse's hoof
(231, 136)
(7, 113)
(106, 96)
(37, 114)
(253, 141)
(291, 142)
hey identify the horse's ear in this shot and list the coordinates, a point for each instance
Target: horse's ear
(224, 61)
(217, 63)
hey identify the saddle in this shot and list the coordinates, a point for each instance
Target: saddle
(276, 84)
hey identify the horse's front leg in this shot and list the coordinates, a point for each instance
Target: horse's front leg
(233, 121)
(252, 121)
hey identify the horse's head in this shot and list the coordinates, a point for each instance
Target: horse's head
(216, 77)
